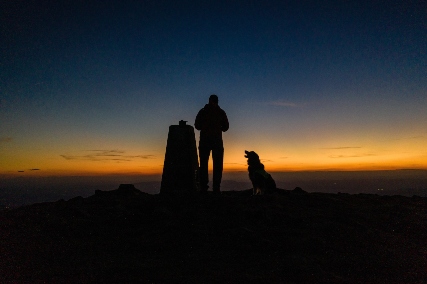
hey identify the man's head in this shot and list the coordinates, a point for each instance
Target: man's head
(213, 99)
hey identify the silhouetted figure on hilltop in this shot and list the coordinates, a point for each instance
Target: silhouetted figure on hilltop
(211, 121)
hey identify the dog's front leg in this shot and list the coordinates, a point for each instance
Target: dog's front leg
(257, 190)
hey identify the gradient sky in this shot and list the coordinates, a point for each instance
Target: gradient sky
(92, 86)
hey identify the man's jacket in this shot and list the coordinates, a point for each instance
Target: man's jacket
(211, 121)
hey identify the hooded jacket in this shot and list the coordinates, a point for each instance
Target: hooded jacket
(211, 121)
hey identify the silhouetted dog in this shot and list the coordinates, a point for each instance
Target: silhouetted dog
(262, 181)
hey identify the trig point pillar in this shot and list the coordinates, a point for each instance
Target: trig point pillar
(181, 166)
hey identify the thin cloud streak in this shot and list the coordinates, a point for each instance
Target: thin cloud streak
(407, 138)
(106, 155)
(283, 104)
(340, 148)
(351, 156)
(6, 139)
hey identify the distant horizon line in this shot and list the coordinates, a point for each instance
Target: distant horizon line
(92, 174)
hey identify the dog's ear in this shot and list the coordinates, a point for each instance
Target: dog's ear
(246, 152)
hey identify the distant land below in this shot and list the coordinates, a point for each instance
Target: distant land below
(20, 191)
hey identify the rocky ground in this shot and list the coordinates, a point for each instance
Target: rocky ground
(125, 235)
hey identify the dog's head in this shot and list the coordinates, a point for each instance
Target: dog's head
(252, 157)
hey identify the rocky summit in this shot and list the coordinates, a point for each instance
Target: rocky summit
(127, 236)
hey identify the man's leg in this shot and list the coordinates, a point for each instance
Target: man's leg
(204, 153)
(217, 157)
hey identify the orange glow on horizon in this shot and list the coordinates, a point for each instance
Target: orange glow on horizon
(276, 158)
(228, 168)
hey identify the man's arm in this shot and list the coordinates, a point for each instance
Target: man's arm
(224, 124)
(198, 124)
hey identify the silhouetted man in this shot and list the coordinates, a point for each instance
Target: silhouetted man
(211, 121)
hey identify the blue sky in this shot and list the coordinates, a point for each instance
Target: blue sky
(307, 84)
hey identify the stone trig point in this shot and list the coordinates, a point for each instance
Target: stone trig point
(181, 166)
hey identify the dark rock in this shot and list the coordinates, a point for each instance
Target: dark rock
(125, 235)
(298, 190)
(126, 186)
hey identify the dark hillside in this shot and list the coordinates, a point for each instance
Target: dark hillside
(288, 237)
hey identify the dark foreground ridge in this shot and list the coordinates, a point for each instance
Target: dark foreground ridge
(288, 237)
